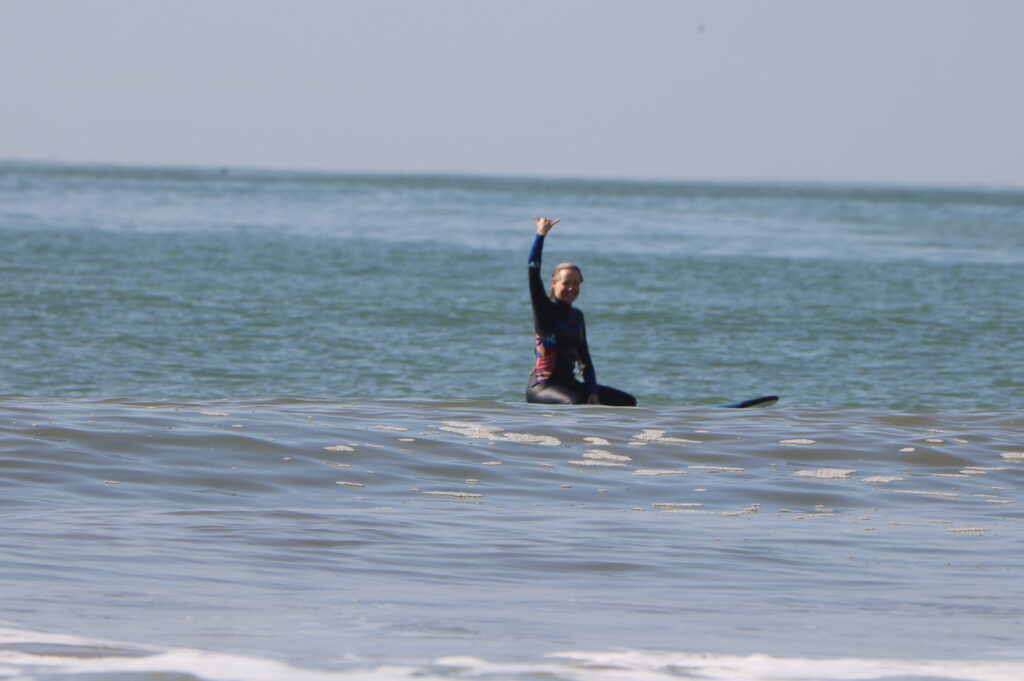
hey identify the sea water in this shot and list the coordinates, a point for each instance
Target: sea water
(270, 425)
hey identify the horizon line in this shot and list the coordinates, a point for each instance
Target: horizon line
(227, 169)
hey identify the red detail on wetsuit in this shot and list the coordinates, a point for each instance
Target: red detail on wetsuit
(547, 358)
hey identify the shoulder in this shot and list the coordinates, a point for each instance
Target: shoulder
(575, 315)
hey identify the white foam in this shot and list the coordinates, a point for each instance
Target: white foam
(718, 469)
(659, 436)
(796, 442)
(1013, 456)
(826, 473)
(603, 454)
(107, 658)
(477, 431)
(657, 666)
(530, 438)
(749, 510)
(339, 448)
(968, 530)
(654, 472)
(454, 494)
(882, 479)
(679, 507)
(596, 462)
(925, 493)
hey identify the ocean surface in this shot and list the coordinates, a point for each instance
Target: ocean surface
(270, 425)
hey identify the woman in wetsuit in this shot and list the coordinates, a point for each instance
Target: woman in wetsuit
(562, 337)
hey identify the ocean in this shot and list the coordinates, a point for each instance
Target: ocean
(270, 425)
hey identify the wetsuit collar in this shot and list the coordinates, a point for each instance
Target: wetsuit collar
(560, 303)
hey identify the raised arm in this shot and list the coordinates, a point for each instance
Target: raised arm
(538, 294)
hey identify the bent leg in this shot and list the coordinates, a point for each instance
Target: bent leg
(552, 393)
(614, 397)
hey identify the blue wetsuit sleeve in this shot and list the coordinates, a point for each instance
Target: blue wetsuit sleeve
(538, 296)
(535, 252)
(590, 379)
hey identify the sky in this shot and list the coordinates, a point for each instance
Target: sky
(883, 91)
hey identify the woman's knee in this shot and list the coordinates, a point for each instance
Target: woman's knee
(550, 394)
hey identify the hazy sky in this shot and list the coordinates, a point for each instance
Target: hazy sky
(909, 91)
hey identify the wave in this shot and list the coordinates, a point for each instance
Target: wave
(670, 460)
(434, 530)
(32, 656)
(937, 454)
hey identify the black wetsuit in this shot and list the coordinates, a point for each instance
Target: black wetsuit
(561, 347)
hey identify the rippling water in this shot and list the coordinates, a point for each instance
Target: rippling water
(338, 535)
(269, 426)
(195, 284)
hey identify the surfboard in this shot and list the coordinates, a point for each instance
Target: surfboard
(753, 402)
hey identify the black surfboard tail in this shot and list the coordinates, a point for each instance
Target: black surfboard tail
(753, 402)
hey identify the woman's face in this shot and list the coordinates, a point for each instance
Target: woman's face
(566, 285)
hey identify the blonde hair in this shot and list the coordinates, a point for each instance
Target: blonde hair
(564, 266)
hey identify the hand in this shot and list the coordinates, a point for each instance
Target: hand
(592, 399)
(544, 225)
